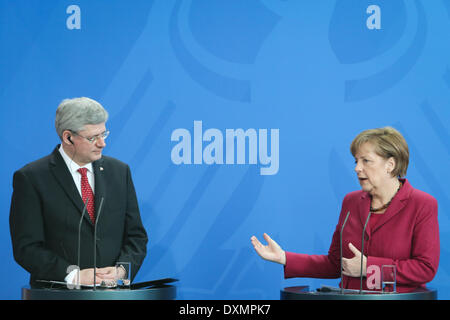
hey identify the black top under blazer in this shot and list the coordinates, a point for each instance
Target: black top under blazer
(45, 213)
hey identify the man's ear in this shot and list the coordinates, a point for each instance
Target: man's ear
(67, 137)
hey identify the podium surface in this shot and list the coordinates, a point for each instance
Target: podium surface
(164, 292)
(304, 293)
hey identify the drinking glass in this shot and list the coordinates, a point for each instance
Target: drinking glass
(123, 272)
(388, 279)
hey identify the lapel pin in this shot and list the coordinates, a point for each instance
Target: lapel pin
(101, 168)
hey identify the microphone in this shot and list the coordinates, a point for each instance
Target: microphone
(362, 253)
(342, 229)
(79, 239)
(95, 241)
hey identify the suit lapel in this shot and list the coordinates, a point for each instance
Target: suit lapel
(364, 209)
(398, 203)
(100, 184)
(61, 173)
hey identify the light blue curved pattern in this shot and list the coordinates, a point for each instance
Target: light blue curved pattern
(446, 77)
(437, 124)
(361, 43)
(447, 6)
(311, 69)
(117, 123)
(339, 175)
(220, 276)
(183, 215)
(361, 89)
(223, 86)
(153, 134)
(229, 35)
(435, 185)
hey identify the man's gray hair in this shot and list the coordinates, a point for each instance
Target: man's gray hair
(74, 114)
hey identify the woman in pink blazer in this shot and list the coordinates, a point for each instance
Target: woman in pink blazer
(401, 224)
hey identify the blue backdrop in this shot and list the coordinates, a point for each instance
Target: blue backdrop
(301, 78)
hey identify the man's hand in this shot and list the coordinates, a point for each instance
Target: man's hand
(111, 273)
(106, 274)
(87, 277)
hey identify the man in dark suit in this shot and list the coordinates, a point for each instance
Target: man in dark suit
(49, 196)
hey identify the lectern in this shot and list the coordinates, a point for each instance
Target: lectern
(162, 292)
(304, 293)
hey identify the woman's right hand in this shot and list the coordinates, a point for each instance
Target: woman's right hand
(271, 252)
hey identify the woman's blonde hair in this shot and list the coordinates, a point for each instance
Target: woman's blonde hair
(388, 143)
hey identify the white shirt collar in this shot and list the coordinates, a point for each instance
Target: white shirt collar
(72, 165)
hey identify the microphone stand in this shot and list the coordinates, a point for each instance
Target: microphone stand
(362, 252)
(342, 229)
(95, 242)
(79, 244)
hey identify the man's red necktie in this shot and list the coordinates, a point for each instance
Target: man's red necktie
(86, 192)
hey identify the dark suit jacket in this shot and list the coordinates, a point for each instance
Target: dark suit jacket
(406, 235)
(45, 213)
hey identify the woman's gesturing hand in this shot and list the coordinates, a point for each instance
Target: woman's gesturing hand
(352, 267)
(271, 252)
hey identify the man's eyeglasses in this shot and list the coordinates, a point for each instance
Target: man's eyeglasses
(93, 139)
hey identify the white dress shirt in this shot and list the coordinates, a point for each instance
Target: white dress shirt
(73, 167)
